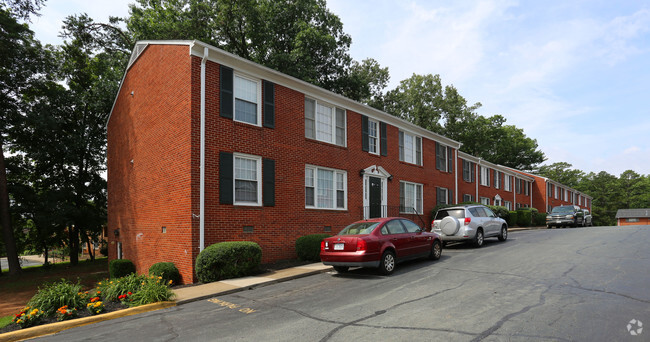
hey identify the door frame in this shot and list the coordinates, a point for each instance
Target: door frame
(376, 172)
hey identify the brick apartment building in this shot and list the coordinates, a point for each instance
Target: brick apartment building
(204, 147)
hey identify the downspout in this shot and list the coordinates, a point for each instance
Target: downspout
(456, 176)
(202, 167)
(514, 192)
(477, 174)
(530, 191)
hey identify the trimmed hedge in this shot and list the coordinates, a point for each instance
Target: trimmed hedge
(524, 218)
(166, 270)
(308, 247)
(226, 260)
(499, 211)
(119, 268)
(539, 219)
(512, 219)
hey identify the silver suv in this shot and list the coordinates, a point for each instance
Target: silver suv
(471, 223)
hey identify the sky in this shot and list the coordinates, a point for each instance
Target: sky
(574, 75)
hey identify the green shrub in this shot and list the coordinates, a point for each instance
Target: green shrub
(499, 211)
(120, 267)
(524, 218)
(512, 219)
(153, 289)
(539, 219)
(111, 289)
(227, 260)
(308, 247)
(166, 270)
(54, 295)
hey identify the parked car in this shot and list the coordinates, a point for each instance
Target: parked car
(471, 223)
(380, 243)
(587, 220)
(565, 215)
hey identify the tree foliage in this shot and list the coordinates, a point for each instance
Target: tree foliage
(422, 100)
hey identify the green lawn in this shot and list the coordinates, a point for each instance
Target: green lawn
(5, 321)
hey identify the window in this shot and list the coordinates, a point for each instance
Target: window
(508, 205)
(526, 185)
(632, 220)
(324, 122)
(497, 179)
(485, 176)
(443, 196)
(555, 190)
(410, 148)
(373, 137)
(517, 185)
(325, 188)
(247, 176)
(485, 201)
(444, 156)
(468, 198)
(410, 197)
(247, 97)
(566, 194)
(507, 182)
(468, 171)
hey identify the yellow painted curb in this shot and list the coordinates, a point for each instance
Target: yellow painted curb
(47, 329)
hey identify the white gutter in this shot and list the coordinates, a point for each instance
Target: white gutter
(477, 174)
(456, 175)
(202, 167)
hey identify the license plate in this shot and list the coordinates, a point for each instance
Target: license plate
(339, 246)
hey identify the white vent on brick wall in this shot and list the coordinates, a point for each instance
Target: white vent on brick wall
(137, 50)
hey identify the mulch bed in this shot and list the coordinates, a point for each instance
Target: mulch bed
(108, 307)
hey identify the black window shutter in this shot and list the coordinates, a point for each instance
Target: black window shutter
(269, 104)
(383, 139)
(365, 144)
(438, 166)
(268, 182)
(225, 178)
(472, 169)
(450, 159)
(451, 197)
(438, 196)
(226, 86)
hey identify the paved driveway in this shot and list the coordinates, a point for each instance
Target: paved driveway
(584, 284)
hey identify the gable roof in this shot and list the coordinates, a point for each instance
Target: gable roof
(632, 213)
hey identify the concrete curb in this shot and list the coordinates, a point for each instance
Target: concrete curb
(48, 329)
(251, 287)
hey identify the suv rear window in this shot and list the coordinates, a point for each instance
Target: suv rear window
(457, 213)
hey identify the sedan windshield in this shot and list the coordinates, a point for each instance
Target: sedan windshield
(562, 210)
(360, 228)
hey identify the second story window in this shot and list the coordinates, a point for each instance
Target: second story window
(485, 176)
(410, 148)
(247, 97)
(507, 182)
(373, 137)
(324, 122)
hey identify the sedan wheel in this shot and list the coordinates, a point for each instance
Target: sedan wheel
(341, 269)
(436, 250)
(387, 264)
(504, 234)
(478, 239)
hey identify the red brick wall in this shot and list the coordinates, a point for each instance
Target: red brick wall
(152, 128)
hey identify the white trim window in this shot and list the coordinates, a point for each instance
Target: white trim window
(247, 98)
(410, 148)
(247, 176)
(556, 191)
(485, 201)
(468, 198)
(507, 182)
(410, 197)
(497, 179)
(508, 205)
(325, 122)
(373, 136)
(485, 176)
(526, 187)
(325, 188)
(566, 195)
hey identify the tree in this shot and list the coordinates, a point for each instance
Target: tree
(634, 190)
(301, 38)
(422, 100)
(19, 65)
(562, 172)
(604, 189)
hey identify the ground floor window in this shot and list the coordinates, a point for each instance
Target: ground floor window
(410, 197)
(468, 198)
(325, 188)
(632, 220)
(508, 205)
(485, 201)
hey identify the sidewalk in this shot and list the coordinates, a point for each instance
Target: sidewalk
(182, 295)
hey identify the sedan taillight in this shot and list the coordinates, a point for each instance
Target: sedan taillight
(324, 245)
(468, 220)
(361, 245)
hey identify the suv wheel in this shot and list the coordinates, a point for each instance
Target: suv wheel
(478, 238)
(504, 233)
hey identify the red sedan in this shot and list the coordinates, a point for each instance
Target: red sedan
(380, 243)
